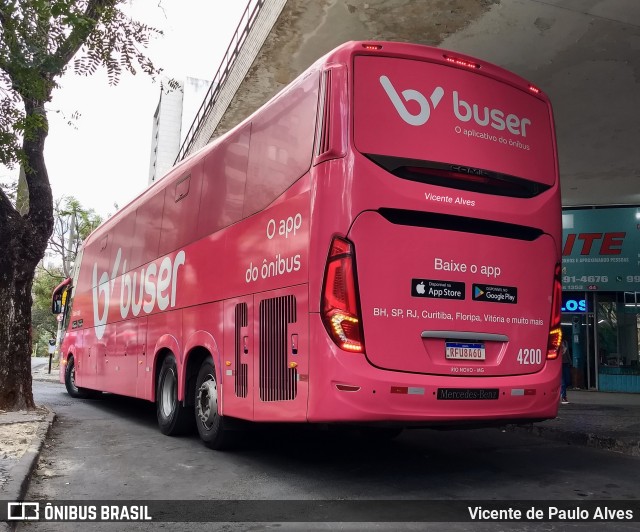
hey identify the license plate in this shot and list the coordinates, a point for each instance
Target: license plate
(464, 350)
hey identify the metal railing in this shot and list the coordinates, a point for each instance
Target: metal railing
(247, 20)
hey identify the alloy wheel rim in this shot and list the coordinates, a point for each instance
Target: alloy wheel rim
(72, 377)
(167, 395)
(207, 402)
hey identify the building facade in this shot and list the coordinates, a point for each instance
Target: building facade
(171, 121)
(601, 296)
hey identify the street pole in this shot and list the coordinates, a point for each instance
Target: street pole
(52, 348)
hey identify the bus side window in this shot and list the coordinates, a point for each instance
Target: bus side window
(180, 213)
(121, 243)
(146, 238)
(101, 251)
(223, 186)
(281, 144)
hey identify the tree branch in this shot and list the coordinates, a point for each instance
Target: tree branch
(5, 202)
(14, 56)
(40, 215)
(50, 273)
(3, 16)
(56, 247)
(78, 36)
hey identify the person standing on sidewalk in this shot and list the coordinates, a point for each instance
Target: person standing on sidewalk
(566, 371)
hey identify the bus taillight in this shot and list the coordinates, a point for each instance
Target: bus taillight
(555, 332)
(461, 62)
(340, 298)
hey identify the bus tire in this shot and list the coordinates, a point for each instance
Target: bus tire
(70, 382)
(173, 417)
(211, 425)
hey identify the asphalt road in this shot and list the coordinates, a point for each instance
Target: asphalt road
(111, 448)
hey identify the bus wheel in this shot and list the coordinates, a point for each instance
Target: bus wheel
(210, 424)
(70, 382)
(173, 417)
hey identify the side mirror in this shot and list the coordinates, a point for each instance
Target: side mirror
(56, 303)
(59, 296)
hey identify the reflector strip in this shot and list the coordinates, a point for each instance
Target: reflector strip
(520, 391)
(347, 388)
(407, 390)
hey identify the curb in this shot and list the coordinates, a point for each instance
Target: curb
(42, 374)
(586, 439)
(20, 474)
(43, 378)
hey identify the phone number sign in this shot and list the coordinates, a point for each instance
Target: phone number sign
(601, 249)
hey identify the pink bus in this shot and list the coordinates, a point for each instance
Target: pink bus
(378, 245)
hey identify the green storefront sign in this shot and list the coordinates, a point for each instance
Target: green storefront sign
(601, 249)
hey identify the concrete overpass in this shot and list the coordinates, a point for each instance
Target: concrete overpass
(584, 53)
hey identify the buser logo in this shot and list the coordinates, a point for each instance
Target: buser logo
(141, 290)
(464, 111)
(409, 95)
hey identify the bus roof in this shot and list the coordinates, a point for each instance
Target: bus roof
(343, 54)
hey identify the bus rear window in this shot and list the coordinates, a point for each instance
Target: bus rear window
(459, 177)
(417, 110)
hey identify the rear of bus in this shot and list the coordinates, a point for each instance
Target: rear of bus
(439, 235)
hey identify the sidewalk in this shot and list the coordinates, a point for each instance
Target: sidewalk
(603, 420)
(609, 421)
(42, 373)
(22, 436)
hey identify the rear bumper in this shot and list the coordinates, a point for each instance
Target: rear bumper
(390, 396)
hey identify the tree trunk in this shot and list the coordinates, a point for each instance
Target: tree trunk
(23, 241)
(15, 341)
